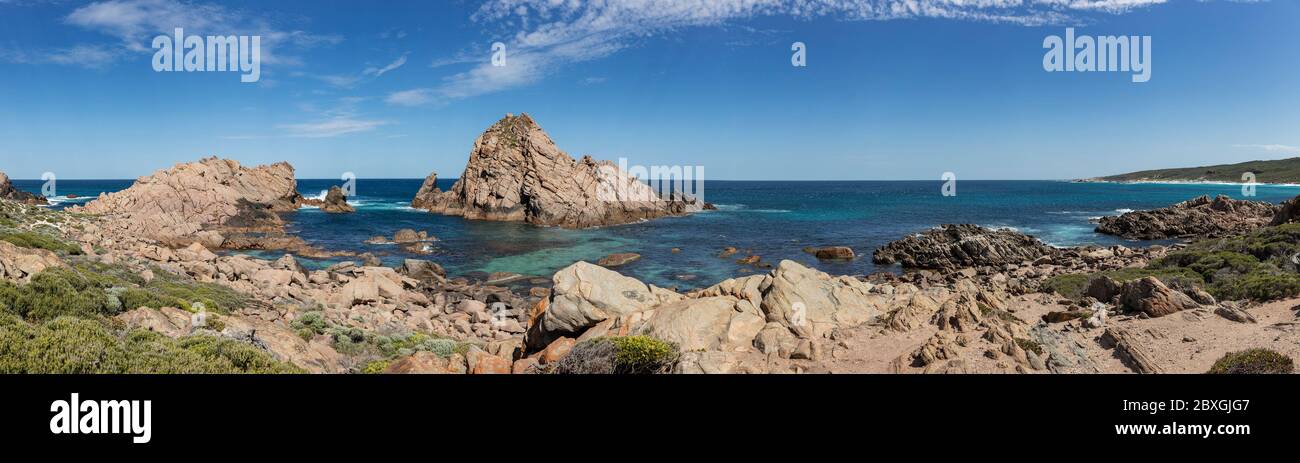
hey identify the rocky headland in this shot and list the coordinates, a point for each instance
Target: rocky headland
(516, 173)
(1199, 217)
(7, 191)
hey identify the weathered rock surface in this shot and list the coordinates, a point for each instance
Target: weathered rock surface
(190, 197)
(336, 202)
(516, 173)
(1150, 296)
(7, 191)
(618, 259)
(1287, 212)
(960, 246)
(19, 264)
(1200, 217)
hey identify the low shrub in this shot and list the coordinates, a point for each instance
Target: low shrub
(39, 241)
(68, 345)
(620, 355)
(1253, 362)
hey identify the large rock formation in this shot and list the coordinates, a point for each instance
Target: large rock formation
(959, 246)
(516, 173)
(7, 191)
(1287, 212)
(1200, 217)
(191, 197)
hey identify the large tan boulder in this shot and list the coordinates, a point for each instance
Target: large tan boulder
(516, 173)
(811, 303)
(19, 264)
(721, 323)
(585, 294)
(1152, 297)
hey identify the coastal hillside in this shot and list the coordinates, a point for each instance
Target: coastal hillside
(1276, 171)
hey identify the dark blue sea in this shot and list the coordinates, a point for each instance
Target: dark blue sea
(772, 219)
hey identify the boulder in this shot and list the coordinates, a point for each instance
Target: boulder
(1103, 288)
(422, 362)
(1150, 296)
(1200, 217)
(833, 253)
(811, 303)
(336, 202)
(619, 259)
(516, 173)
(423, 270)
(20, 264)
(710, 324)
(584, 295)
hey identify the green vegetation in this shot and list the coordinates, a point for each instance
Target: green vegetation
(620, 355)
(87, 290)
(1073, 286)
(1256, 266)
(39, 241)
(1253, 362)
(1030, 345)
(355, 341)
(1278, 171)
(68, 345)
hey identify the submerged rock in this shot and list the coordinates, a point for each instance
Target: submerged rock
(516, 173)
(1200, 217)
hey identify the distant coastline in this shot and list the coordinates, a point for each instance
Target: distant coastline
(1280, 172)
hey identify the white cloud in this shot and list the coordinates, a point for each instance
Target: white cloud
(414, 97)
(1272, 148)
(328, 128)
(375, 71)
(135, 22)
(548, 34)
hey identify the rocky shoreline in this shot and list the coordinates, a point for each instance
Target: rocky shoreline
(971, 299)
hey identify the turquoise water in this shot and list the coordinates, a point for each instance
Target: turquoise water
(772, 219)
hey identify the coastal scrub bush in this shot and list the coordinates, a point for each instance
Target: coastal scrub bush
(214, 297)
(56, 292)
(1072, 286)
(1253, 361)
(68, 345)
(39, 241)
(620, 355)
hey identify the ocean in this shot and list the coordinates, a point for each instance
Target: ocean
(772, 219)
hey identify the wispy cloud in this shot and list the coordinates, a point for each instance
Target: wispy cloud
(416, 97)
(134, 22)
(379, 71)
(328, 128)
(1271, 148)
(545, 35)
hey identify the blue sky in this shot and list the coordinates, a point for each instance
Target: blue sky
(891, 90)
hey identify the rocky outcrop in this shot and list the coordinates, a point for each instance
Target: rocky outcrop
(1150, 296)
(960, 246)
(19, 264)
(618, 259)
(7, 191)
(516, 173)
(336, 202)
(210, 193)
(1200, 217)
(1287, 212)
